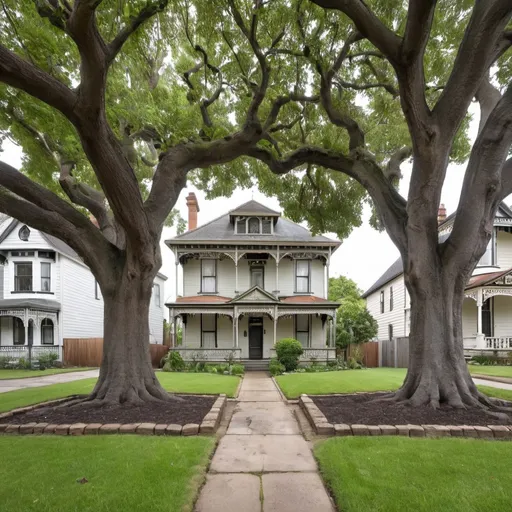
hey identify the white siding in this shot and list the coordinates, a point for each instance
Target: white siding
(504, 250)
(226, 277)
(469, 318)
(156, 314)
(396, 317)
(502, 316)
(35, 241)
(81, 312)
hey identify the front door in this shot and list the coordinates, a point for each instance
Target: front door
(255, 338)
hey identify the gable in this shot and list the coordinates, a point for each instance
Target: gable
(10, 238)
(254, 294)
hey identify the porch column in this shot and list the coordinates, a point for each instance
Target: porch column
(276, 289)
(174, 337)
(327, 263)
(480, 337)
(235, 320)
(275, 326)
(334, 329)
(25, 327)
(177, 263)
(236, 271)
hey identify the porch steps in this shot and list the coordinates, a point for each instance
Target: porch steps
(255, 365)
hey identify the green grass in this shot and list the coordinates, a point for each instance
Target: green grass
(495, 371)
(25, 374)
(351, 381)
(200, 383)
(421, 475)
(128, 473)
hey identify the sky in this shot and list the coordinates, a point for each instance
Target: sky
(363, 256)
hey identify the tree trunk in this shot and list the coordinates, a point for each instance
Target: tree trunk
(126, 373)
(438, 372)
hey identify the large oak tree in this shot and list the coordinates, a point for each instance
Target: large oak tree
(320, 103)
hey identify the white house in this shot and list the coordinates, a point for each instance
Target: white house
(47, 294)
(487, 308)
(250, 278)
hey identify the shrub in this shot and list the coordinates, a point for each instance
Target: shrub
(353, 364)
(23, 364)
(5, 362)
(173, 362)
(288, 351)
(484, 360)
(237, 369)
(275, 367)
(47, 360)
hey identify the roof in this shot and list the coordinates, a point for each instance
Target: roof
(221, 229)
(483, 279)
(304, 299)
(202, 299)
(161, 276)
(252, 207)
(43, 304)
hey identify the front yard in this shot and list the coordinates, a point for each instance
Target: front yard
(494, 371)
(393, 474)
(129, 473)
(198, 383)
(25, 374)
(352, 381)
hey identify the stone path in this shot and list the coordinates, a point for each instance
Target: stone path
(36, 382)
(263, 463)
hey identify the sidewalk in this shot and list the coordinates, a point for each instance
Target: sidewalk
(492, 383)
(36, 382)
(263, 463)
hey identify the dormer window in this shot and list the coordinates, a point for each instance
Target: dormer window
(254, 226)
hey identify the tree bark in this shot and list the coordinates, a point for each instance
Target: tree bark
(126, 373)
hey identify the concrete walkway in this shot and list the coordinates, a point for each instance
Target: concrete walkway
(492, 383)
(263, 463)
(36, 382)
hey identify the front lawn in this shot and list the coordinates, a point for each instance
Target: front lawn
(199, 383)
(128, 473)
(495, 371)
(25, 374)
(352, 381)
(425, 475)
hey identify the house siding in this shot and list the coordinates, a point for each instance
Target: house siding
(504, 250)
(469, 318)
(502, 316)
(156, 315)
(396, 317)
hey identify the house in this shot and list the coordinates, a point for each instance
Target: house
(487, 308)
(250, 278)
(47, 294)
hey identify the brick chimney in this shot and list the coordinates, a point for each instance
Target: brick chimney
(441, 214)
(193, 209)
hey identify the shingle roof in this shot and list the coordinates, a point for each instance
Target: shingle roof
(483, 279)
(252, 207)
(393, 271)
(43, 304)
(203, 299)
(221, 229)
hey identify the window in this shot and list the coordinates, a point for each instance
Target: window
(390, 298)
(302, 329)
(257, 277)
(266, 227)
(487, 320)
(46, 254)
(489, 256)
(254, 226)
(18, 332)
(302, 268)
(382, 301)
(23, 277)
(390, 331)
(46, 272)
(209, 331)
(22, 253)
(208, 276)
(156, 288)
(96, 290)
(24, 233)
(241, 227)
(46, 332)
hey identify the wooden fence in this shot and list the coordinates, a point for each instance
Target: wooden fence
(395, 353)
(89, 351)
(370, 353)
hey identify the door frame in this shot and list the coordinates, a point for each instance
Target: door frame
(255, 321)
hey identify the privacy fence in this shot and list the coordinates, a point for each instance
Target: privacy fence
(370, 353)
(89, 351)
(395, 352)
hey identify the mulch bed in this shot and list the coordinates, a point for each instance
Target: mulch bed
(192, 410)
(361, 409)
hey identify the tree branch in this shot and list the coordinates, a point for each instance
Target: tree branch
(420, 16)
(146, 13)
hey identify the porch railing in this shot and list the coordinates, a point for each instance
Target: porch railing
(208, 354)
(500, 342)
(16, 352)
(313, 354)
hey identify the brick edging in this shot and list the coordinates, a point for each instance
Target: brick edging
(209, 424)
(323, 427)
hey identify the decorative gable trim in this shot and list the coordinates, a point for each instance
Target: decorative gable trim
(255, 294)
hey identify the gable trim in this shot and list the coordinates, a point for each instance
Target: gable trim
(267, 295)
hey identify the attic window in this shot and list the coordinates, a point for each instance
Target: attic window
(24, 233)
(254, 226)
(241, 227)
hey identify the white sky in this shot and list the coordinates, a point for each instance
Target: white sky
(363, 256)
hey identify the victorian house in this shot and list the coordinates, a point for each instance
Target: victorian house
(250, 278)
(48, 294)
(487, 308)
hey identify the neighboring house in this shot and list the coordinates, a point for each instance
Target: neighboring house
(487, 308)
(48, 294)
(251, 278)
